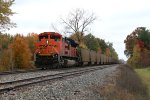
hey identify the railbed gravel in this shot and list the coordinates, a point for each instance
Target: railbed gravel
(20, 76)
(75, 88)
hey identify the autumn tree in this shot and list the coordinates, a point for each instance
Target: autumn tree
(139, 34)
(21, 53)
(135, 59)
(77, 23)
(31, 39)
(138, 47)
(5, 13)
(81, 38)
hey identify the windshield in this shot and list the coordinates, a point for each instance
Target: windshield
(56, 38)
(43, 37)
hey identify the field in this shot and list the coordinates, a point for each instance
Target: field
(145, 76)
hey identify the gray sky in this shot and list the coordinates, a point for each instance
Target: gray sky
(116, 18)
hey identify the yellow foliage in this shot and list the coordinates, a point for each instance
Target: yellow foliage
(5, 60)
(82, 45)
(135, 59)
(21, 53)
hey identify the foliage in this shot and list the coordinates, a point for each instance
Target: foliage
(21, 53)
(91, 42)
(5, 13)
(140, 35)
(103, 45)
(135, 59)
(5, 40)
(31, 39)
(144, 36)
(112, 51)
(79, 39)
(5, 60)
(100, 45)
(138, 47)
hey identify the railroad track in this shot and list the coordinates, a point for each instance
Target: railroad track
(18, 71)
(32, 70)
(7, 86)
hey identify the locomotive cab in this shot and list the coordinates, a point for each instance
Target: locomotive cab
(47, 49)
(49, 44)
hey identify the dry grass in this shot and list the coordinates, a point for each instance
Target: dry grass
(127, 86)
(144, 74)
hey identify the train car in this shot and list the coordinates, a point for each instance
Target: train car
(102, 59)
(92, 57)
(85, 56)
(98, 58)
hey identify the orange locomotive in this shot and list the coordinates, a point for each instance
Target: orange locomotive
(53, 50)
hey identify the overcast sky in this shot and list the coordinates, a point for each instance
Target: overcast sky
(115, 18)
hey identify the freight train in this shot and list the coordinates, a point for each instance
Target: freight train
(54, 51)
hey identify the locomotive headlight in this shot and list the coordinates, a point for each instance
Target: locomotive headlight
(56, 55)
(47, 41)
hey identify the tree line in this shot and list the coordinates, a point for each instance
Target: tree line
(138, 47)
(91, 42)
(16, 52)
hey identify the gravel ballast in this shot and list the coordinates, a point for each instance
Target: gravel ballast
(75, 88)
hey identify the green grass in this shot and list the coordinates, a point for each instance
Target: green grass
(145, 76)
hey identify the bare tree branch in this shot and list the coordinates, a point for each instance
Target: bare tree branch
(78, 22)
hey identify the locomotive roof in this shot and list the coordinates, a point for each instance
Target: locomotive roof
(49, 33)
(72, 42)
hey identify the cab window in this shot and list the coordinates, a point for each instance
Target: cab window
(43, 37)
(56, 38)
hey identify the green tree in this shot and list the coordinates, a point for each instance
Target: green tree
(144, 35)
(103, 45)
(5, 13)
(5, 54)
(91, 42)
(5, 40)
(113, 53)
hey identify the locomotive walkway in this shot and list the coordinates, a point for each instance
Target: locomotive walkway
(12, 85)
